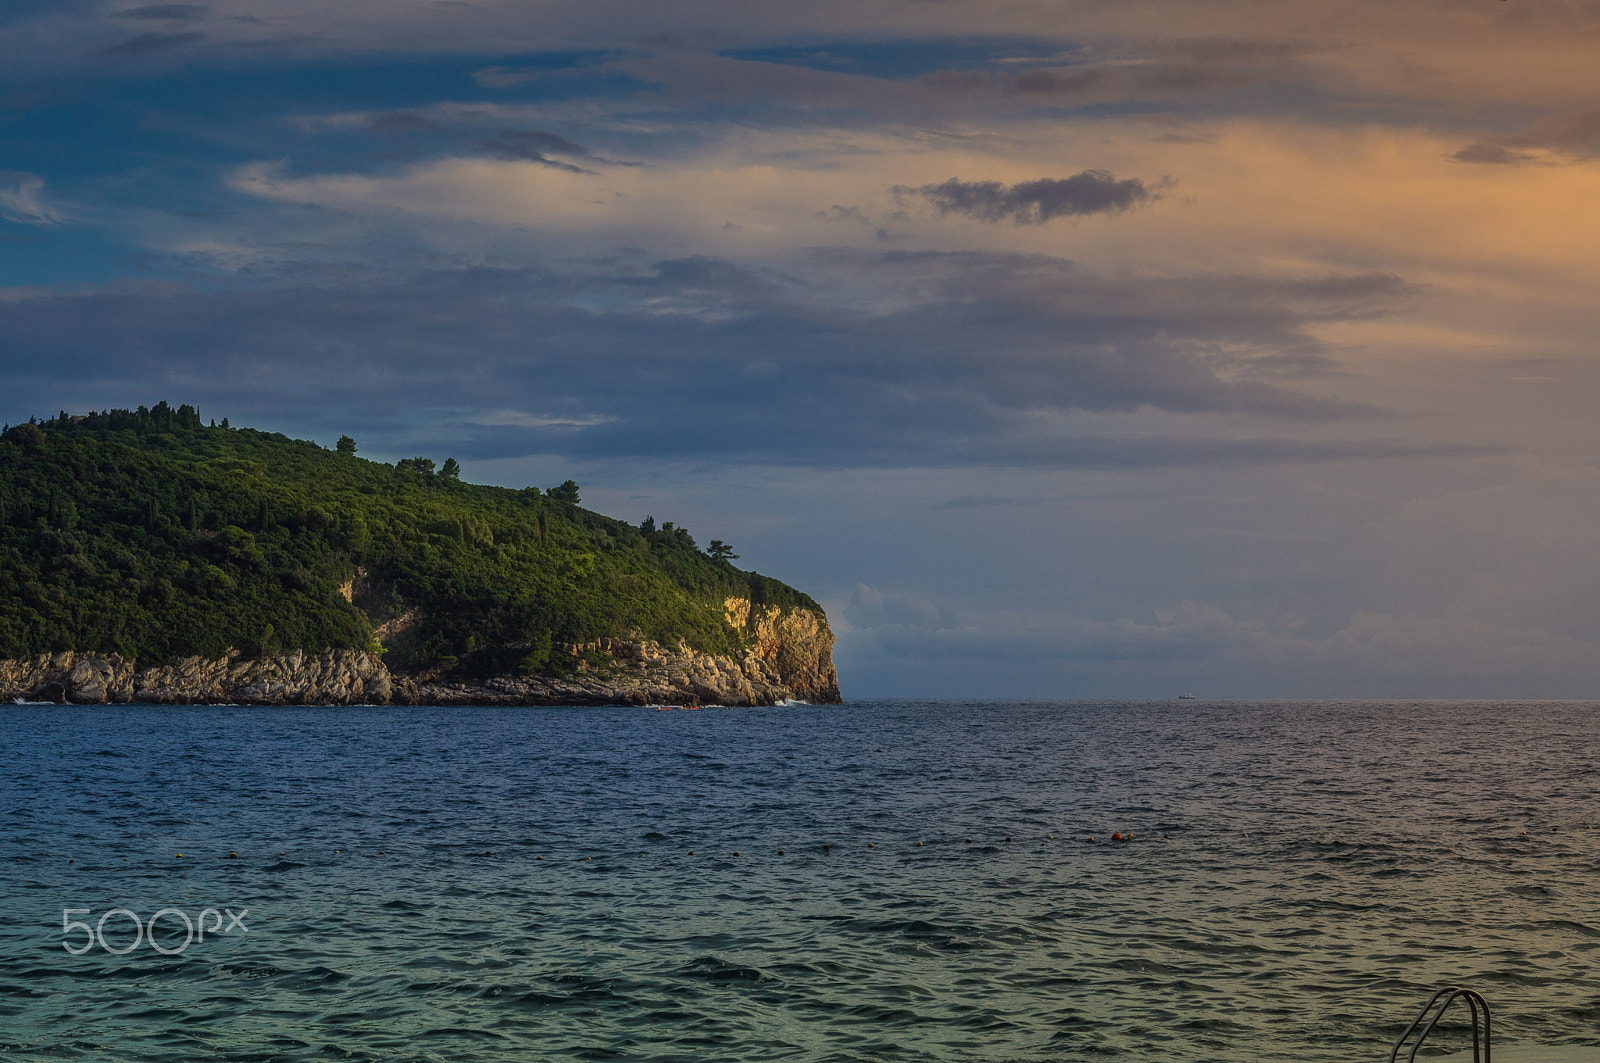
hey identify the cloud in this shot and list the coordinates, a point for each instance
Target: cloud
(1034, 202)
(976, 359)
(1368, 653)
(1238, 51)
(870, 607)
(21, 200)
(533, 145)
(1160, 80)
(1568, 134)
(983, 502)
(148, 43)
(1575, 133)
(1492, 155)
(506, 77)
(509, 77)
(1363, 48)
(1089, 82)
(165, 12)
(842, 213)
(727, 81)
(401, 123)
(523, 419)
(1148, 68)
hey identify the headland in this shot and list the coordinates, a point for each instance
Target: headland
(148, 557)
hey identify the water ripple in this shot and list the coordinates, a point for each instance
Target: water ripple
(880, 881)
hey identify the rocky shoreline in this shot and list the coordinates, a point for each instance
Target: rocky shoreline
(789, 657)
(337, 677)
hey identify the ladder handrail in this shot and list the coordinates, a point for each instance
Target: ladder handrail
(1449, 995)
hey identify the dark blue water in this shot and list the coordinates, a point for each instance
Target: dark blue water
(875, 881)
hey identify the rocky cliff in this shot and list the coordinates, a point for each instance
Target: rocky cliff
(788, 656)
(337, 677)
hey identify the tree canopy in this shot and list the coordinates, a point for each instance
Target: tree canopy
(150, 534)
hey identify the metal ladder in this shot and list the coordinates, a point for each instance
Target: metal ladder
(1433, 1011)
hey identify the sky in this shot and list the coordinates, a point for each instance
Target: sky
(1060, 349)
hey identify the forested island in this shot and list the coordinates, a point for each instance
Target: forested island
(148, 556)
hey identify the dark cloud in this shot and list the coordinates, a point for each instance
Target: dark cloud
(165, 12)
(1189, 79)
(505, 77)
(1034, 202)
(1237, 51)
(1574, 133)
(1492, 155)
(1055, 82)
(1090, 82)
(842, 213)
(969, 359)
(1164, 451)
(1569, 134)
(963, 81)
(148, 43)
(534, 145)
(402, 123)
(724, 81)
(1175, 452)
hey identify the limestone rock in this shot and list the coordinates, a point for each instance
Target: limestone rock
(788, 656)
(336, 677)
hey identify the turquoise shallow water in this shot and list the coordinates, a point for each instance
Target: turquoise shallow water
(748, 884)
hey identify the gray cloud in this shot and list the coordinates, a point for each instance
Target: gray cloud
(1034, 202)
(967, 359)
(806, 95)
(1569, 134)
(1237, 51)
(506, 77)
(842, 213)
(1090, 81)
(148, 43)
(534, 145)
(1056, 82)
(1491, 155)
(165, 12)
(871, 607)
(1579, 133)
(1100, 444)
(1381, 654)
(402, 123)
(725, 80)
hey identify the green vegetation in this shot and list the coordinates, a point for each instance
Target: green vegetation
(149, 534)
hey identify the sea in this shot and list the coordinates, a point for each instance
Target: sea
(892, 880)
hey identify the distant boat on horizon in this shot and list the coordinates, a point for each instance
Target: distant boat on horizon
(1186, 697)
